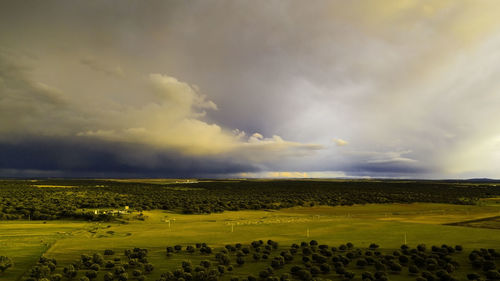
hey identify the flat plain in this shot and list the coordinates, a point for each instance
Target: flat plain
(389, 225)
(385, 224)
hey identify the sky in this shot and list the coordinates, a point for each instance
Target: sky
(215, 88)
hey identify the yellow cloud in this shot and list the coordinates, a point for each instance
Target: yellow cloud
(293, 174)
(287, 175)
(172, 122)
(340, 142)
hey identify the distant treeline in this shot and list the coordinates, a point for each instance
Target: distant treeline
(56, 199)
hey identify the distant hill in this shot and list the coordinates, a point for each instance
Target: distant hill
(482, 180)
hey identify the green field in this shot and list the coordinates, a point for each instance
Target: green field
(385, 224)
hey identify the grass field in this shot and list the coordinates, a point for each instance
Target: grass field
(387, 225)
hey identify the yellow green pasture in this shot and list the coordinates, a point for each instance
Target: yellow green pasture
(385, 224)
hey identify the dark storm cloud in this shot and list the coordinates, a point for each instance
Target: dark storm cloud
(394, 169)
(93, 158)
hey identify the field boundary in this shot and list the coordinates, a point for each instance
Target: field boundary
(467, 223)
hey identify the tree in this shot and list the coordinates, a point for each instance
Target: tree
(413, 269)
(5, 263)
(221, 269)
(70, 272)
(109, 252)
(40, 272)
(123, 277)
(488, 265)
(95, 267)
(148, 268)
(56, 277)
(264, 274)
(304, 275)
(396, 267)
(493, 275)
(91, 274)
(421, 247)
(325, 268)
(403, 259)
(119, 270)
(361, 263)
(278, 262)
(108, 276)
(109, 264)
(366, 276)
(205, 263)
(306, 251)
(349, 275)
(285, 277)
(315, 270)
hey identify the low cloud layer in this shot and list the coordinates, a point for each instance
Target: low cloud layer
(350, 88)
(45, 129)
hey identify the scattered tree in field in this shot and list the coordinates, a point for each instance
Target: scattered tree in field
(136, 273)
(108, 276)
(5, 263)
(56, 277)
(70, 272)
(349, 275)
(493, 274)
(148, 268)
(278, 262)
(367, 276)
(123, 277)
(91, 274)
(421, 247)
(473, 276)
(413, 269)
(109, 264)
(109, 252)
(361, 263)
(95, 267)
(206, 264)
(436, 265)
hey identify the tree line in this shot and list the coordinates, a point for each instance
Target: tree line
(56, 199)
